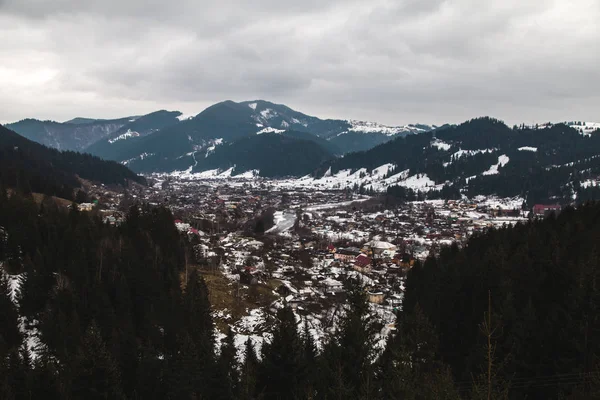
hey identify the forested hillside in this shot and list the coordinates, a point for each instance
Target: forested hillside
(483, 156)
(541, 282)
(95, 311)
(75, 135)
(273, 154)
(31, 167)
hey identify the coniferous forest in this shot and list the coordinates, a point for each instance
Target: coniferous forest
(104, 312)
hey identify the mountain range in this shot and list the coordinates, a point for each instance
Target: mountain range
(262, 139)
(165, 141)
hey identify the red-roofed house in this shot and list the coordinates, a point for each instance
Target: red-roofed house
(362, 263)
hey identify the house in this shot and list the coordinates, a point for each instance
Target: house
(347, 254)
(543, 210)
(362, 263)
(376, 297)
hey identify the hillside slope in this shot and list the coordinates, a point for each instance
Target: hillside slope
(32, 167)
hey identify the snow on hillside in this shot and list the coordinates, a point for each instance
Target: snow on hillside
(297, 121)
(502, 161)
(268, 113)
(268, 129)
(253, 173)
(31, 334)
(460, 153)
(419, 182)
(184, 117)
(527, 148)
(252, 106)
(123, 136)
(441, 145)
(585, 128)
(374, 127)
(374, 179)
(140, 157)
(210, 149)
(211, 174)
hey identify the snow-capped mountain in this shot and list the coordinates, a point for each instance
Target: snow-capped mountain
(172, 147)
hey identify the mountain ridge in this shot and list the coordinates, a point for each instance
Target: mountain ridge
(32, 167)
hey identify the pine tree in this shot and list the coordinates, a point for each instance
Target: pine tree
(309, 360)
(409, 367)
(247, 386)
(44, 378)
(95, 373)
(198, 316)
(281, 364)
(10, 336)
(346, 361)
(227, 367)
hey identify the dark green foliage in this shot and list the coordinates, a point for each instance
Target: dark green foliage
(72, 135)
(346, 363)
(143, 126)
(553, 173)
(544, 280)
(274, 155)
(10, 337)
(247, 386)
(279, 375)
(31, 167)
(95, 373)
(410, 367)
(227, 368)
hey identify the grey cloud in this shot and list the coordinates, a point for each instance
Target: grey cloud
(395, 61)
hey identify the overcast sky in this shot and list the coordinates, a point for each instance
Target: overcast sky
(391, 61)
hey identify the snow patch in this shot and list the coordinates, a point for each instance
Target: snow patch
(502, 161)
(140, 157)
(461, 153)
(252, 106)
(441, 145)
(211, 149)
(268, 129)
(586, 128)
(527, 148)
(374, 127)
(253, 173)
(124, 136)
(184, 117)
(268, 113)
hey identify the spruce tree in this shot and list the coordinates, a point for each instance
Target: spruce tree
(10, 335)
(95, 373)
(247, 386)
(346, 361)
(226, 374)
(281, 365)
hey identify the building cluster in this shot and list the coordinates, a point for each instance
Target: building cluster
(306, 248)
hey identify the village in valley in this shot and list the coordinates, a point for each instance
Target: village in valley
(260, 246)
